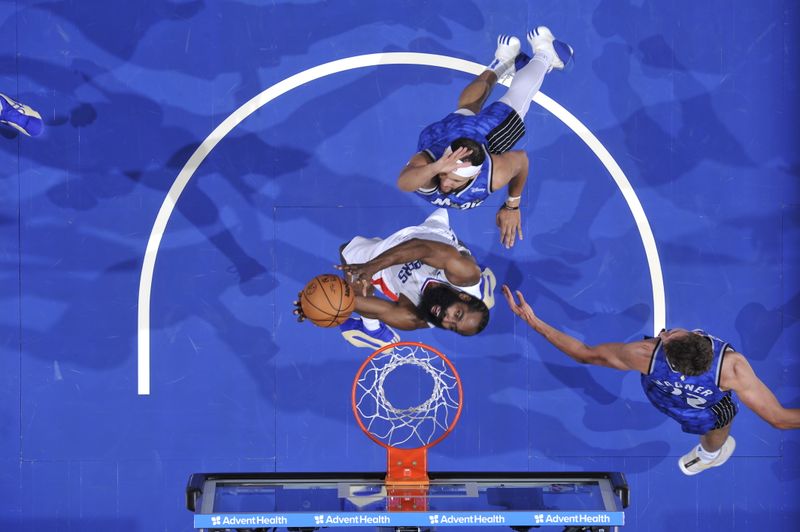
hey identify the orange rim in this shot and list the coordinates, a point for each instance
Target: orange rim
(449, 365)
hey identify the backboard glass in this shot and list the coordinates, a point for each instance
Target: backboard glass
(311, 501)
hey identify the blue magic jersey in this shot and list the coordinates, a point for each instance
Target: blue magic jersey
(696, 402)
(497, 128)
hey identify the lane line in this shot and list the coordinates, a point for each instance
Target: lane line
(342, 65)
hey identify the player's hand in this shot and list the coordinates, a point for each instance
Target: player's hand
(452, 161)
(298, 310)
(510, 224)
(359, 276)
(521, 309)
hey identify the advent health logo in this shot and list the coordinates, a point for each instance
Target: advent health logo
(467, 519)
(572, 518)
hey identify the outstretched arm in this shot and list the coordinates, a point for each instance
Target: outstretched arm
(399, 315)
(625, 356)
(510, 168)
(461, 270)
(738, 375)
(420, 171)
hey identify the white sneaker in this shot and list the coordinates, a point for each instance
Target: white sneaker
(542, 39)
(691, 464)
(507, 50)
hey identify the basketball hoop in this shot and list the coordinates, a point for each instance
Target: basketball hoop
(413, 420)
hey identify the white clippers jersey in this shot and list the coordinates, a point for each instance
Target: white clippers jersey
(409, 279)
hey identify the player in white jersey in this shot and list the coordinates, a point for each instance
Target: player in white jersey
(428, 278)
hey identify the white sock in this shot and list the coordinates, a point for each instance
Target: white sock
(706, 456)
(527, 82)
(371, 324)
(499, 68)
(547, 55)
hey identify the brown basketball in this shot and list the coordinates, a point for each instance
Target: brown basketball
(327, 300)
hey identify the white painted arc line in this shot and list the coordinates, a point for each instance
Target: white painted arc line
(333, 67)
(635, 206)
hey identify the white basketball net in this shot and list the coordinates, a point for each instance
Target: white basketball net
(415, 426)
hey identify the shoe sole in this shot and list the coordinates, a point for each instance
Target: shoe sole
(692, 473)
(563, 50)
(24, 111)
(15, 126)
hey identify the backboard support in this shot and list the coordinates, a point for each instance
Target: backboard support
(311, 501)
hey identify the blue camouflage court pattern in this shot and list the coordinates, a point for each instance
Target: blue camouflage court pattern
(697, 102)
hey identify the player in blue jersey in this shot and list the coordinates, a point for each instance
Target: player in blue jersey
(465, 157)
(690, 376)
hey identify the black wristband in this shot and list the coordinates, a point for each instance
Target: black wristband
(506, 207)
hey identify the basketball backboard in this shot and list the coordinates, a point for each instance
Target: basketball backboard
(308, 501)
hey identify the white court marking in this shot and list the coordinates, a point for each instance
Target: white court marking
(342, 65)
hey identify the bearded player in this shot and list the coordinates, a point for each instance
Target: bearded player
(427, 278)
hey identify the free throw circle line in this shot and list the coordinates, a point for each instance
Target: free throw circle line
(342, 65)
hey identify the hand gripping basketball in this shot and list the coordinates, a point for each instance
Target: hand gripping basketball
(359, 275)
(326, 301)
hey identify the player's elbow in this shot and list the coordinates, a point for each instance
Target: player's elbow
(473, 274)
(405, 185)
(779, 422)
(406, 182)
(585, 355)
(783, 418)
(591, 359)
(594, 357)
(783, 422)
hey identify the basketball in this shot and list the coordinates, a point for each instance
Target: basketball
(327, 300)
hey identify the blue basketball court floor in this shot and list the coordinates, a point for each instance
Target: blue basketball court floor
(202, 160)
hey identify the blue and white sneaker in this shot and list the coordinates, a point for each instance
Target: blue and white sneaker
(356, 333)
(507, 50)
(20, 116)
(542, 39)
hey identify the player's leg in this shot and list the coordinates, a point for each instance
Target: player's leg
(713, 440)
(475, 94)
(702, 457)
(716, 443)
(548, 54)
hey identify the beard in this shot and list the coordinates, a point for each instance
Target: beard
(435, 301)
